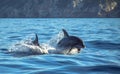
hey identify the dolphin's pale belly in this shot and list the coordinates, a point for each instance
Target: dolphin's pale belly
(74, 51)
(66, 51)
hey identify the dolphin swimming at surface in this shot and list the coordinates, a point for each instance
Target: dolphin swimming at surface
(32, 47)
(69, 44)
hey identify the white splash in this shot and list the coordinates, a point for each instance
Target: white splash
(26, 46)
(55, 39)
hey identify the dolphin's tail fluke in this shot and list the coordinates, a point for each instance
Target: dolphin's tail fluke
(35, 42)
(65, 33)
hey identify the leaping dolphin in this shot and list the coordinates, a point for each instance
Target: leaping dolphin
(69, 44)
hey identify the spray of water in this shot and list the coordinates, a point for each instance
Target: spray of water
(25, 45)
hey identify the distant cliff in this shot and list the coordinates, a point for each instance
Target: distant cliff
(59, 8)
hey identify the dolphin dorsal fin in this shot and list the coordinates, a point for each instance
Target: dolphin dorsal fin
(65, 33)
(35, 42)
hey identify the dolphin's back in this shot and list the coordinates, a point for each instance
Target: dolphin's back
(70, 42)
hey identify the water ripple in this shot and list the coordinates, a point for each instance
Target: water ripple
(101, 37)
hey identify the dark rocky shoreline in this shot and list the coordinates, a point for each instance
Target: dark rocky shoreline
(59, 8)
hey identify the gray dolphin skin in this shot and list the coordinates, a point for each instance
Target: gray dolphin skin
(35, 42)
(69, 43)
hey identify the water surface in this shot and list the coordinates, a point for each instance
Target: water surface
(101, 37)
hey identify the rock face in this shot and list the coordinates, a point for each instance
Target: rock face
(59, 8)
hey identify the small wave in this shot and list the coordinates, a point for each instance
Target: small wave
(13, 36)
(55, 39)
(3, 50)
(104, 44)
(100, 69)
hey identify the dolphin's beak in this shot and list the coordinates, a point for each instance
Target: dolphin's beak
(79, 46)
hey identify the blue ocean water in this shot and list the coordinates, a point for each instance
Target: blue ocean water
(100, 35)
